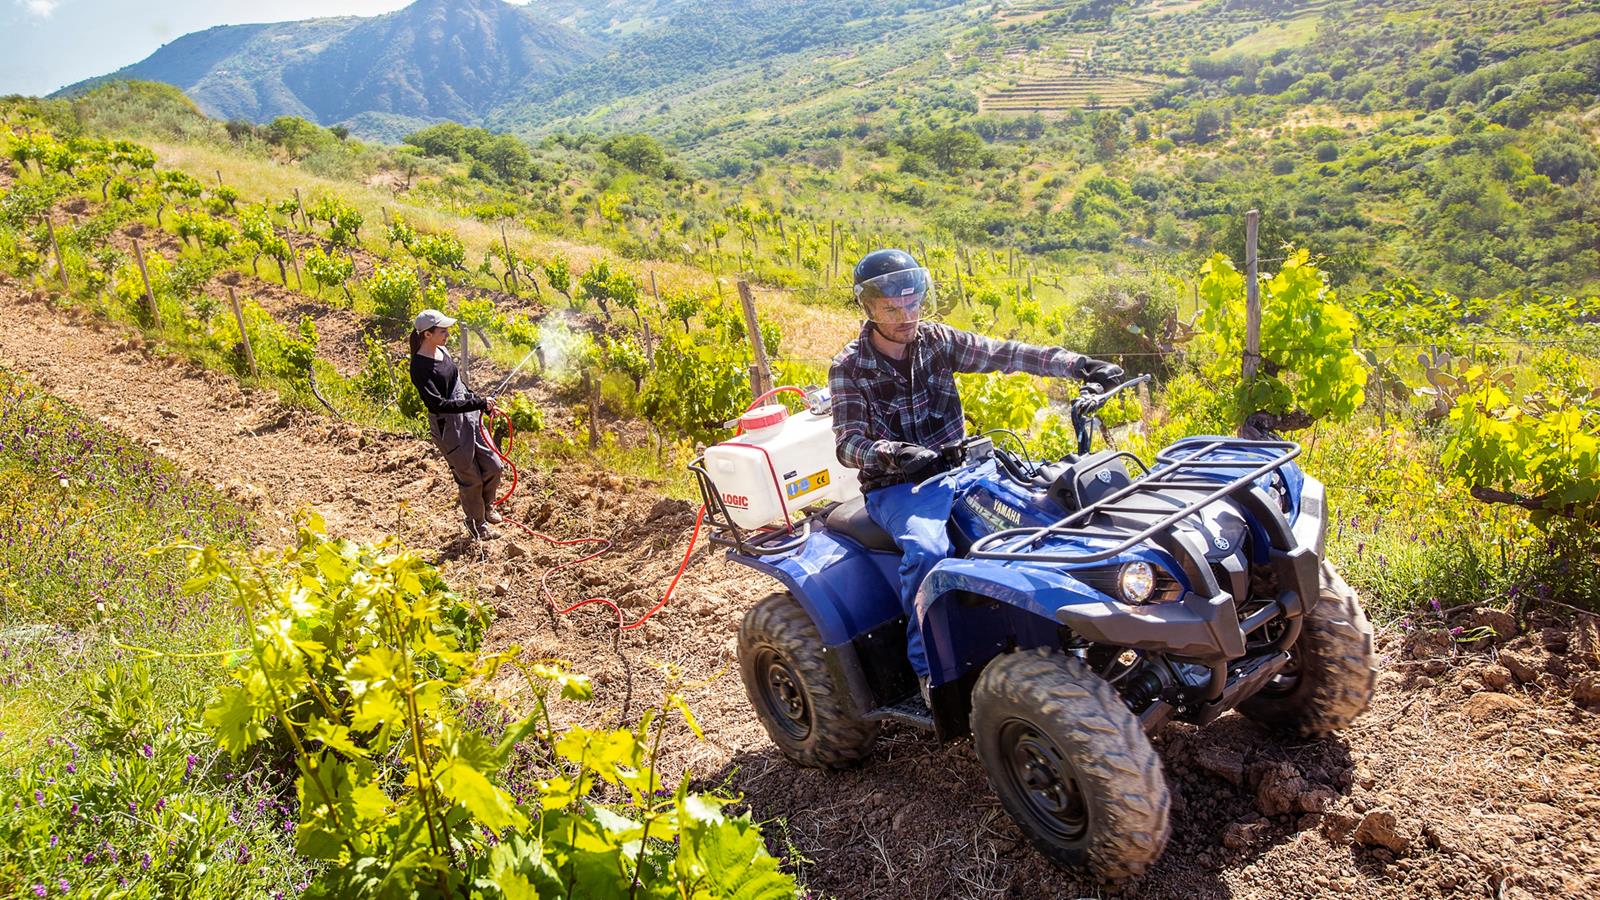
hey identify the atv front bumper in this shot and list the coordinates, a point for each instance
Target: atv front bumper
(1204, 626)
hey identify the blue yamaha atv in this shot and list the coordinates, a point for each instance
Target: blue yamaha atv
(1089, 601)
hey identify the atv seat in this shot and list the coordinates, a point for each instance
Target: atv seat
(851, 520)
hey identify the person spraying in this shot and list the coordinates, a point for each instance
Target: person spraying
(455, 416)
(895, 405)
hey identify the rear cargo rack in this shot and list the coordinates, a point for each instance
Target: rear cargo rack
(751, 542)
(1180, 466)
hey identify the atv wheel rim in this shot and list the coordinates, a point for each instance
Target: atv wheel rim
(1045, 781)
(783, 696)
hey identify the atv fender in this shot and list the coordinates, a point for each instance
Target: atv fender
(852, 596)
(846, 588)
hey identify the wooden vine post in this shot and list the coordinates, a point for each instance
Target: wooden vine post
(294, 258)
(594, 409)
(833, 251)
(149, 294)
(244, 335)
(760, 371)
(61, 261)
(1252, 298)
(649, 342)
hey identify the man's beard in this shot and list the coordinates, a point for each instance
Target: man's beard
(879, 327)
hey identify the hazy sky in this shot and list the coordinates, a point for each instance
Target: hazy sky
(52, 43)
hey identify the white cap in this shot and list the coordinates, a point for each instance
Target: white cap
(432, 318)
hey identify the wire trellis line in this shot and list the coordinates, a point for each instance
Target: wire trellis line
(1430, 345)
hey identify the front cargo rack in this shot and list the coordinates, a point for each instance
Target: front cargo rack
(751, 542)
(1178, 467)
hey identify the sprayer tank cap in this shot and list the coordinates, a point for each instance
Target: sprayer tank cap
(763, 417)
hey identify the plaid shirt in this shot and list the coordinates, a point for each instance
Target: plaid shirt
(876, 410)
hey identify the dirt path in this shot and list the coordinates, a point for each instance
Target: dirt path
(1492, 792)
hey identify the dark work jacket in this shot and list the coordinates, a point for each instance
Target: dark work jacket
(436, 381)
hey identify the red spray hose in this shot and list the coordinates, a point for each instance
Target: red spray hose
(605, 543)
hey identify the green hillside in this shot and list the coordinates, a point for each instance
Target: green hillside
(1434, 139)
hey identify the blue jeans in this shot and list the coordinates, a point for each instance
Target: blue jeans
(916, 517)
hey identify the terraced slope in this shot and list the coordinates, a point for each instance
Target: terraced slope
(1058, 93)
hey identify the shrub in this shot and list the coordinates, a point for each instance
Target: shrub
(395, 293)
(330, 269)
(358, 657)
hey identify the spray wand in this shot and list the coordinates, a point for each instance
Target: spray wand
(507, 380)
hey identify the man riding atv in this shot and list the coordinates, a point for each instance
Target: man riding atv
(1058, 611)
(895, 401)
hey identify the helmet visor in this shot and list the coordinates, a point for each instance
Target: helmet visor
(895, 298)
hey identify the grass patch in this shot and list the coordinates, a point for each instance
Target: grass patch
(1275, 36)
(107, 787)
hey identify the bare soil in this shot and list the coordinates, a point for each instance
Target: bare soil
(1473, 775)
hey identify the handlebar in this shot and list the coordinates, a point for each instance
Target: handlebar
(1090, 402)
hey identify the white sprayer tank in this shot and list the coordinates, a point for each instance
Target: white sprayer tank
(781, 462)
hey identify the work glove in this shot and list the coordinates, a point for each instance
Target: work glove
(913, 462)
(1101, 372)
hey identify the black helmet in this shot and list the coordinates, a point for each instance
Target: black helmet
(882, 262)
(892, 288)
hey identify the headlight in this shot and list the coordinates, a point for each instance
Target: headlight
(1137, 582)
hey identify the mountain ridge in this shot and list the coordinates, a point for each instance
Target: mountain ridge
(432, 60)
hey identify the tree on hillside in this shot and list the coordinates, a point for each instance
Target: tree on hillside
(1205, 125)
(449, 139)
(1565, 157)
(639, 152)
(1106, 132)
(296, 136)
(951, 149)
(507, 157)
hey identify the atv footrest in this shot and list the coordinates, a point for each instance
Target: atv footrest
(1246, 680)
(911, 711)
